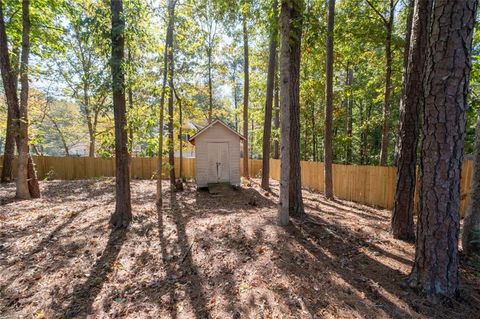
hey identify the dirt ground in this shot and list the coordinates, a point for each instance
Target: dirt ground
(205, 256)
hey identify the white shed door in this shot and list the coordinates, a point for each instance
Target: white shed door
(218, 163)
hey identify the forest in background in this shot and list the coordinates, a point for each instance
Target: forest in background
(70, 100)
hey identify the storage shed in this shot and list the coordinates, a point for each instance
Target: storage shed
(217, 149)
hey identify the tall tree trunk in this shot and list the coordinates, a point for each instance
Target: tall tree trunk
(471, 223)
(130, 127)
(22, 143)
(291, 202)
(246, 87)
(329, 103)
(180, 132)
(435, 270)
(349, 116)
(210, 86)
(267, 126)
(88, 115)
(235, 96)
(387, 93)
(276, 118)
(9, 77)
(9, 150)
(411, 107)
(314, 135)
(123, 211)
(130, 107)
(171, 140)
(168, 46)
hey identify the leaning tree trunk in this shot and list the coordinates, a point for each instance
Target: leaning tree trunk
(471, 223)
(329, 103)
(435, 270)
(246, 88)
(123, 211)
(411, 107)
(290, 182)
(267, 126)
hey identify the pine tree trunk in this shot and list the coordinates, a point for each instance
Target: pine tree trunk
(122, 216)
(171, 140)
(411, 107)
(267, 126)
(276, 118)
(180, 132)
(210, 86)
(291, 202)
(329, 103)
(349, 117)
(444, 118)
(22, 143)
(388, 89)
(246, 87)
(471, 223)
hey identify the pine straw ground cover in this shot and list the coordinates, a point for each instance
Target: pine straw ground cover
(205, 256)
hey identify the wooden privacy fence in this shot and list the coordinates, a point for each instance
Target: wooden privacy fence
(371, 185)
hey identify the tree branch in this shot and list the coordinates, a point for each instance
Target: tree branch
(377, 12)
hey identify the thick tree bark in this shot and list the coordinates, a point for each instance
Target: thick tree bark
(9, 150)
(246, 88)
(471, 223)
(329, 103)
(22, 142)
(411, 107)
(444, 119)
(123, 211)
(29, 184)
(267, 126)
(291, 202)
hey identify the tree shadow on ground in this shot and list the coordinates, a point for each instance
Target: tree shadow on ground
(230, 200)
(84, 294)
(82, 189)
(363, 281)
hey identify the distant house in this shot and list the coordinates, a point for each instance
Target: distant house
(79, 149)
(217, 149)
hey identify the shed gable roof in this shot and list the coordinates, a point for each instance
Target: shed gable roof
(206, 128)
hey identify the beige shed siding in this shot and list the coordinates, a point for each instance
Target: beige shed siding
(217, 133)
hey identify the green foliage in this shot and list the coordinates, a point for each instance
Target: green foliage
(71, 71)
